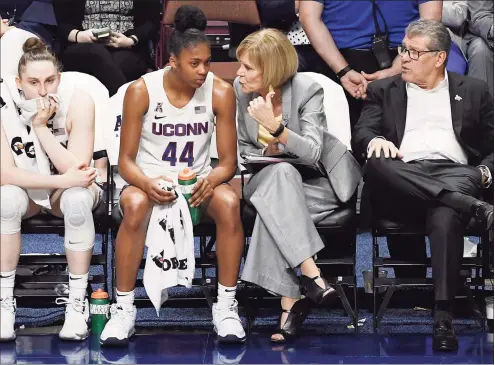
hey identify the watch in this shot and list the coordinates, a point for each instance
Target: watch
(279, 130)
(485, 173)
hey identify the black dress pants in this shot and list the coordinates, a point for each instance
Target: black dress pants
(407, 192)
(112, 67)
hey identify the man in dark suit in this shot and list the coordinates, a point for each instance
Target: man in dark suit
(428, 137)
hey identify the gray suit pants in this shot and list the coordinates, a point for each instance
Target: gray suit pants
(284, 233)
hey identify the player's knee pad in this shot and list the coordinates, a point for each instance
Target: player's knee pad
(76, 204)
(14, 204)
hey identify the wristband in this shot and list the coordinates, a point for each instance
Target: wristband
(342, 72)
(76, 36)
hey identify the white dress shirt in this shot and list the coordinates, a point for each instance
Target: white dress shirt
(429, 134)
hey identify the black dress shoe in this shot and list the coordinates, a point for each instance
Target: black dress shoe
(444, 338)
(483, 214)
(315, 292)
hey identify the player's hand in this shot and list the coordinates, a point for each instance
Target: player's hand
(46, 109)
(79, 175)
(202, 191)
(156, 193)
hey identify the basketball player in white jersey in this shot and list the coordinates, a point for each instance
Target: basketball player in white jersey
(167, 125)
(46, 146)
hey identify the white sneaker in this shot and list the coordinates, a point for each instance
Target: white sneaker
(227, 323)
(111, 356)
(120, 326)
(7, 315)
(75, 352)
(8, 353)
(228, 354)
(76, 319)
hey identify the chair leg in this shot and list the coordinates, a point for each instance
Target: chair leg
(476, 310)
(384, 305)
(375, 322)
(114, 271)
(205, 289)
(345, 303)
(104, 251)
(210, 245)
(375, 253)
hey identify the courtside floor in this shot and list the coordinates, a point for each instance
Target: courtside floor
(201, 348)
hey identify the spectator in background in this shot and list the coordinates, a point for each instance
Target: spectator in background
(471, 26)
(284, 15)
(21, 20)
(122, 57)
(480, 41)
(341, 33)
(34, 16)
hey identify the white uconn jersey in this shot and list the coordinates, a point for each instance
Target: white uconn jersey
(171, 138)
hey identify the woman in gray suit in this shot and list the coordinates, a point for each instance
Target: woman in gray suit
(281, 111)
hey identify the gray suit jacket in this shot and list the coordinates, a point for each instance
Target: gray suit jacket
(481, 23)
(309, 141)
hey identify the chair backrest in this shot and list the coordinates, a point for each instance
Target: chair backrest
(234, 11)
(100, 96)
(113, 124)
(336, 108)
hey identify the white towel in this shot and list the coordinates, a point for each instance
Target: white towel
(170, 259)
(26, 149)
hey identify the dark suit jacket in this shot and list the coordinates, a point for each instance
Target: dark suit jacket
(385, 108)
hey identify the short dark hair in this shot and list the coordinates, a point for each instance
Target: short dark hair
(189, 24)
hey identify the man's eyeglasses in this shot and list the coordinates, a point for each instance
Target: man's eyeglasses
(413, 54)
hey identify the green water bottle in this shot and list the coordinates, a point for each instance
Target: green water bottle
(99, 309)
(187, 181)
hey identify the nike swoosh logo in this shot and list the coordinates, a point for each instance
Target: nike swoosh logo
(157, 117)
(5, 277)
(71, 278)
(74, 243)
(230, 291)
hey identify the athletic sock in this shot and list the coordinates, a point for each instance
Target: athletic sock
(7, 280)
(226, 294)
